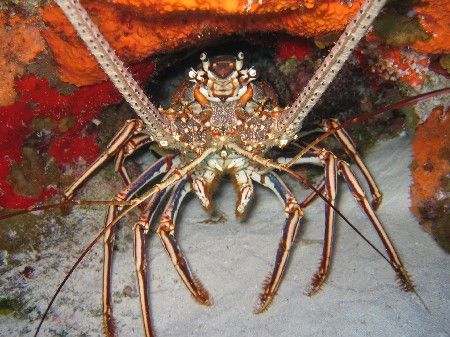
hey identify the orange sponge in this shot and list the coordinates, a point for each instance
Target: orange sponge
(20, 43)
(137, 29)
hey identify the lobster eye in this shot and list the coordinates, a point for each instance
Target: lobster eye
(192, 73)
(224, 62)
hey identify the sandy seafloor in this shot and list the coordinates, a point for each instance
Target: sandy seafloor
(361, 297)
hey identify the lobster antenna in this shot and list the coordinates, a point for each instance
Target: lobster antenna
(68, 203)
(397, 105)
(117, 71)
(292, 118)
(78, 261)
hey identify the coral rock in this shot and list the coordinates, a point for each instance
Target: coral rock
(405, 65)
(138, 29)
(20, 43)
(288, 48)
(434, 17)
(43, 122)
(430, 192)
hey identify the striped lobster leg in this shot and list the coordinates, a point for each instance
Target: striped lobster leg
(309, 158)
(329, 188)
(349, 146)
(293, 214)
(161, 166)
(203, 185)
(359, 195)
(333, 167)
(313, 195)
(127, 150)
(166, 231)
(131, 128)
(141, 228)
(245, 193)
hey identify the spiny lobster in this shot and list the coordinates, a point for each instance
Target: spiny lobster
(222, 121)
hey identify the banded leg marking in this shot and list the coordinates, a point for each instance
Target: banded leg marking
(127, 150)
(166, 231)
(309, 158)
(359, 195)
(202, 185)
(245, 193)
(131, 127)
(141, 228)
(293, 215)
(330, 182)
(109, 324)
(349, 147)
(163, 165)
(141, 273)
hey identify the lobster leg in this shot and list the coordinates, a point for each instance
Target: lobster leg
(141, 228)
(329, 162)
(350, 149)
(163, 165)
(313, 195)
(328, 187)
(244, 187)
(166, 231)
(309, 158)
(127, 150)
(203, 185)
(131, 127)
(293, 215)
(359, 195)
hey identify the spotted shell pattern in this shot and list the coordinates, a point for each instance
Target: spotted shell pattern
(222, 101)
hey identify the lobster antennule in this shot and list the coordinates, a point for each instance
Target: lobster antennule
(67, 203)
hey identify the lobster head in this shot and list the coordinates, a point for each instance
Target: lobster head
(222, 79)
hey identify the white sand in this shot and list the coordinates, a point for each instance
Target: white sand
(361, 297)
